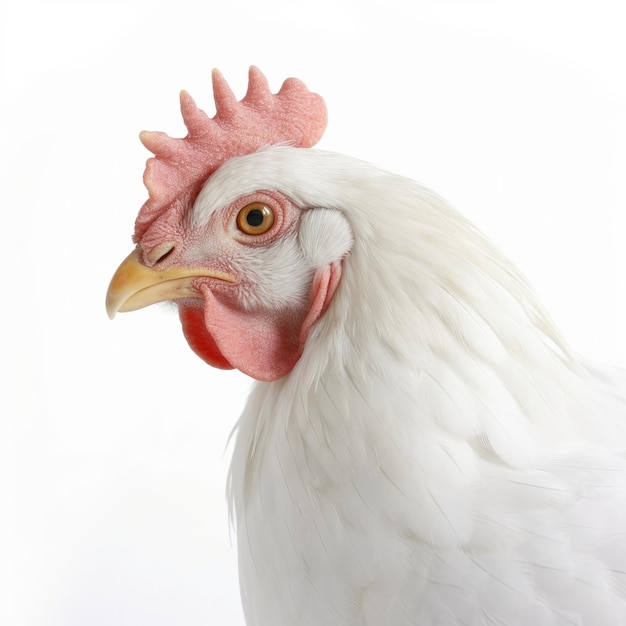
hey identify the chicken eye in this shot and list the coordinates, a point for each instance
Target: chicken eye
(255, 218)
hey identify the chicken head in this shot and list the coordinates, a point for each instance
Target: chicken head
(249, 272)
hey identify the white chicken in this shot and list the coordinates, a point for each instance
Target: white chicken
(422, 448)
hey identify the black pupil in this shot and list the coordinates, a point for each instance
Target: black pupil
(255, 217)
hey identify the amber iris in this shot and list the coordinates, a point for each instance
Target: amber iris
(255, 218)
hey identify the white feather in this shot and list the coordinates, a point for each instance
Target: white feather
(438, 455)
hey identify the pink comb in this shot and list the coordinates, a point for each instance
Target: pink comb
(180, 167)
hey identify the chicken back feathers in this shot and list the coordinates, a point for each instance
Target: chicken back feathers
(435, 453)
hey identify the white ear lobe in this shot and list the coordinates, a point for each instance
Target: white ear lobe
(324, 236)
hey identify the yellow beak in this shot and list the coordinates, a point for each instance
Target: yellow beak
(135, 285)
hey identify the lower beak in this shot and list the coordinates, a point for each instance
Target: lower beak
(135, 285)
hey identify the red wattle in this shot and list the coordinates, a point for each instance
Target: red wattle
(265, 345)
(199, 338)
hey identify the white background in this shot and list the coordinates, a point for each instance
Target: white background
(113, 434)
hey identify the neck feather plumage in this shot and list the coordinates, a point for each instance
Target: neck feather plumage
(433, 340)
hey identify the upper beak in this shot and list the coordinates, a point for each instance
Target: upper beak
(135, 285)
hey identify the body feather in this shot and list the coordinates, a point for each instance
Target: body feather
(438, 455)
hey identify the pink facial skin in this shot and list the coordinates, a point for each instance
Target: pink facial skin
(234, 323)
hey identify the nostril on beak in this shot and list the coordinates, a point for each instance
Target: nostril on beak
(159, 253)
